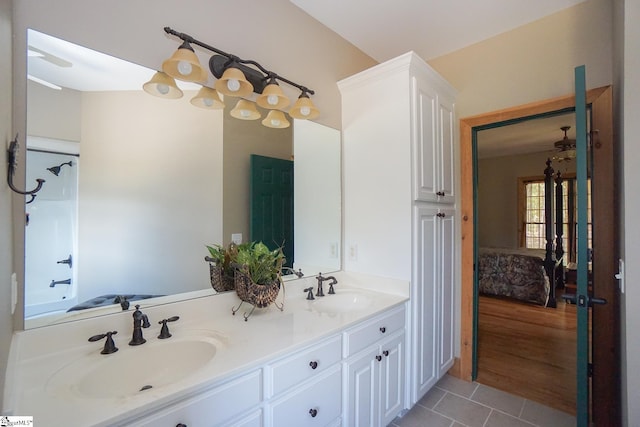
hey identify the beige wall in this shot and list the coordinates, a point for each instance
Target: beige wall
(6, 236)
(532, 62)
(498, 195)
(241, 139)
(54, 113)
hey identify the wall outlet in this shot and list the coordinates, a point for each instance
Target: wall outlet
(236, 238)
(333, 251)
(353, 252)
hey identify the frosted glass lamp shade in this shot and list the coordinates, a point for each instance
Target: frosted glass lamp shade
(163, 86)
(184, 65)
(233, 83)
(207, 98)
(276, 119)
(272, 97)
(245, 110)
(304, 109)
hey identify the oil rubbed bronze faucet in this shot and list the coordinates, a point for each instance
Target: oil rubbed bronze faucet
(140, 320)
(320, 278)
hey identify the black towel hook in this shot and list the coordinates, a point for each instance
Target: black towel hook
(11, 170)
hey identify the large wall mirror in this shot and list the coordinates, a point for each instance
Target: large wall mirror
(137, 186)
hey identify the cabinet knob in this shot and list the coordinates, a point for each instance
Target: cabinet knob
(181, 425)
(386, 353)
(313, 364)
(383, 329)
(313, 412)
(378, 358)
(440, 215)
(440, 193)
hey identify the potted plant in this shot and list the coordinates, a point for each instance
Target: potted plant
(221, 266)
(258, 274)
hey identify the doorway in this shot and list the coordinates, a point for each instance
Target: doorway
(606, 376)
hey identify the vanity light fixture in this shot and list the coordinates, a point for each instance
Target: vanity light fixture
(236, 77)
(163, 86)
(272, 97)
(276, 119)
(245, 110)
(304, 108)
(184, 65)
(207, 98)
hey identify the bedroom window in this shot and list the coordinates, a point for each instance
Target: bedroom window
(531, 212)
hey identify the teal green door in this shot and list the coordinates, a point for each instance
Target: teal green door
(271, 203)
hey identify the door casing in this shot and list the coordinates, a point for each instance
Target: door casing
(606, 322)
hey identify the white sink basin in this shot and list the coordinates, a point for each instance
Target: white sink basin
(343, 301)
(134, 370)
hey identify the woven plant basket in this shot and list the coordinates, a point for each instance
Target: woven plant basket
(258, 295)
(220, 281)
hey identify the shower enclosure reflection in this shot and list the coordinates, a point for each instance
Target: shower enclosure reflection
(51, 242)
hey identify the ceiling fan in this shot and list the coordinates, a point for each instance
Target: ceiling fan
(34, 52)
(566, 148)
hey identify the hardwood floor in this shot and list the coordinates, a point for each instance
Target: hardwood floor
(529, 351)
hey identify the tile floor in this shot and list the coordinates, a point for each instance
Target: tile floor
(456, 403)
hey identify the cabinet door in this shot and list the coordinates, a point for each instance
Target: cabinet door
(362, 396)
(446, 263)
(391, 379)
(424, 141)
(446, 134)
(424, 297)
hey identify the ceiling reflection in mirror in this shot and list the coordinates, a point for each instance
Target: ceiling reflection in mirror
(137, 186)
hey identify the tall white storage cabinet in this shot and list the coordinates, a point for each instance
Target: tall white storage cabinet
(400, 207)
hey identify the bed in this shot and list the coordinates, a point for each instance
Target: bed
(529, 275)
(518, 274)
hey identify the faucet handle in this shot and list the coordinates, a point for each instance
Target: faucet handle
(309, 292)
(109, 345)
(164, 331)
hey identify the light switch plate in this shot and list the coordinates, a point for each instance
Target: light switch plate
(236, 238)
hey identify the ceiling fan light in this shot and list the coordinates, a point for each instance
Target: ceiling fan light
(245, 110)
(276, 120)
(207, 98)
(163, 86)
(304, 108)
(233, 83)
(184, 65)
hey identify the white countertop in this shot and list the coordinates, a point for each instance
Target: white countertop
(36, 355)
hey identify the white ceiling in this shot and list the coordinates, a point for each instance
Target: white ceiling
(384, 29)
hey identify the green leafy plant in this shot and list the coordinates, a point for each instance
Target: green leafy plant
(261, 264)
(224, 258)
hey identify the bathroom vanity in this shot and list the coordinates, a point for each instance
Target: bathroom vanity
(321, 362)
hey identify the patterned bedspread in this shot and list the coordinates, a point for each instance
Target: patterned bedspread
(515, 275)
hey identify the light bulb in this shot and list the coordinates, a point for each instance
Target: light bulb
(207, 101)
(184, 68)
(245, 113)
(275, 122)
(163, 88)
(233, 85)
(272, 99)
(305, 111)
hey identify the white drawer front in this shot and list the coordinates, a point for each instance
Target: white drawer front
(213, 407)
(315, 404)
(304, 365)
(366, 334)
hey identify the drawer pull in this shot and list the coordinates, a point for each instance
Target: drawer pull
(386, 353)
(181, 425)
(313, 412)
(313, 364)
(378, 358)
(383, 329)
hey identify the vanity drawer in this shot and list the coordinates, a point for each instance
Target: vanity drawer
(317, 403)
(305, 364)
(362, 336)
(215, 406)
